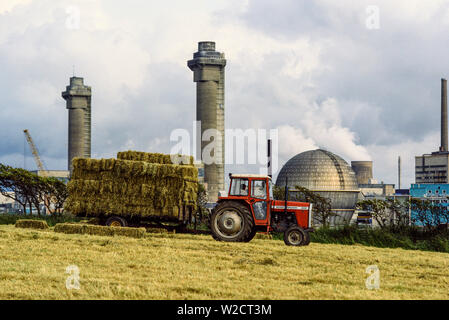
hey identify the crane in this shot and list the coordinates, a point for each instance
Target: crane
(37, 158)
(39, 163)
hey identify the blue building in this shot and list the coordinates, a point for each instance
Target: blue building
(432, 192)
(437, 194)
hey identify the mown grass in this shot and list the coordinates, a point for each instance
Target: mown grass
(180, 266)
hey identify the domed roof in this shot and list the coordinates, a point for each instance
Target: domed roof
(318, 170)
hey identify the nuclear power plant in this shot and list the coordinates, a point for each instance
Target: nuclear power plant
(208, 68)
(433, 168)
(78, 97)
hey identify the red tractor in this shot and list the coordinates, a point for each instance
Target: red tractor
(250, 208)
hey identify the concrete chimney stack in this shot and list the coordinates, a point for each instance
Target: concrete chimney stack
(444, 138)
(78, 97)
(208, 66)
(399, 172)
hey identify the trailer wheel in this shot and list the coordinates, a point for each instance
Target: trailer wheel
(295, 236)
(116, 221)
(231, 221)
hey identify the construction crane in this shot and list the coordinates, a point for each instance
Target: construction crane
(37, 158)
(39, 163)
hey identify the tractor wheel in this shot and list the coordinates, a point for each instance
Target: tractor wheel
(307, 238)
(116, 221)
(251, 235)
(295, 236)
(231, 221)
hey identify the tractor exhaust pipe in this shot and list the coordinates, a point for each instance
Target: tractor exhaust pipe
(269, 169)
(286, 194)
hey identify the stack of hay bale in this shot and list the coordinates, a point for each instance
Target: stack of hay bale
(135, 184)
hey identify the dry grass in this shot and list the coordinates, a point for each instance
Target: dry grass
(173, 266)
(73, 228)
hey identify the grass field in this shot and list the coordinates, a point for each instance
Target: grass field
(167, 266)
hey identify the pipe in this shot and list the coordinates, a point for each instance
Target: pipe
(444, 135)
(269, 169)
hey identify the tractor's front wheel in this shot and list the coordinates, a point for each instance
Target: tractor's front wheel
(232, 221)
(296, 236)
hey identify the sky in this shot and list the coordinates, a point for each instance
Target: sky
(358, 78)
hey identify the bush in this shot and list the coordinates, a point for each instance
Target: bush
(51, 220)
(73, 228)
(406, 238)
(31, 224)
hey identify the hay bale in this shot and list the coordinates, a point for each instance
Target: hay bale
(72, 228)
(156, 230)
(132, 188)
(31, 224)
(156, 157)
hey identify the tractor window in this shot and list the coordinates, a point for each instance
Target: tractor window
(259, 189)
(270, 184)
(239, 187)
(260, 210)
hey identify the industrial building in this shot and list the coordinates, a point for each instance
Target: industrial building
(437, 194)
(328, 175)
(78, 102)
(433, 168)
(208, 68)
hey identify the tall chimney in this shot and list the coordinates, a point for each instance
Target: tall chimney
(208, 66)
(444, 143)
(78, 102)
(399, 172)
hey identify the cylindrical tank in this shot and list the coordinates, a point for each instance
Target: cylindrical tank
(326, 174)
(363, 171)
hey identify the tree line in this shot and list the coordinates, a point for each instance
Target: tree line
(29, 189)
(394, 214)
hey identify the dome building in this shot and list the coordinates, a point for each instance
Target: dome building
(328, 175)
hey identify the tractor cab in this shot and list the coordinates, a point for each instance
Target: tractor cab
(250, 207)
(256, 190)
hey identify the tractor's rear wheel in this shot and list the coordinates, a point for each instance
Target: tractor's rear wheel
(251, 235)
(116, 221)
(295, 236)
(232, 221)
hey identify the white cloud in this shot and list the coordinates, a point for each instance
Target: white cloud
(312, 70)
(6, 6)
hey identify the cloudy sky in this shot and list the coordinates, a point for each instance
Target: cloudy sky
(324, 73)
